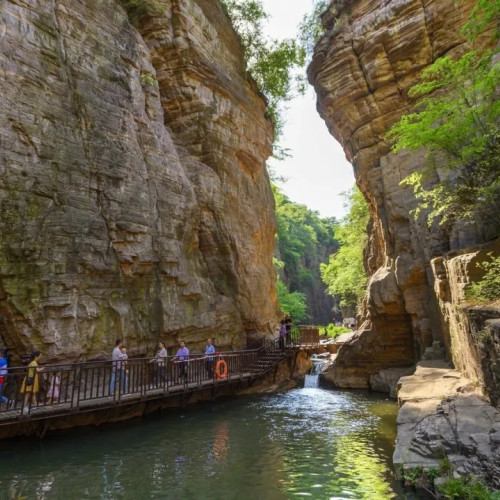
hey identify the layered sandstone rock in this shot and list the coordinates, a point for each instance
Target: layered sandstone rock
(373, 51)
(127, 208)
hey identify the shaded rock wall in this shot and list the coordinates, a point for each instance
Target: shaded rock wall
(130, 209)
(373, 51)
(471, 332)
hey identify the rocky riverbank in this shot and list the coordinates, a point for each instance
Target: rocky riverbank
(445, 419)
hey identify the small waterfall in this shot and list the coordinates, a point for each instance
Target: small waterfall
(312, 379)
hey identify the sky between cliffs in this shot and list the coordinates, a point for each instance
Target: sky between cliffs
(317, 172)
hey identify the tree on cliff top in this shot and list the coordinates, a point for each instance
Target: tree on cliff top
(457, 120)
(271, 63)
(311, 28)
(345, 273)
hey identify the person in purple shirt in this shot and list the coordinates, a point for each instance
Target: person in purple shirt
(182, 355)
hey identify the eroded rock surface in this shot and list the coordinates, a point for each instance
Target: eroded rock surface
(443, 415)
(127, 208)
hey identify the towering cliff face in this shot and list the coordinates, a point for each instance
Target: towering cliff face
(372, 53)
(127, 208)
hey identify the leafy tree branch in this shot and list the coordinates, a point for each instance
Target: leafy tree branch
(456, 122)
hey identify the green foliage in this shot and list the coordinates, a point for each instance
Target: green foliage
(311, 28)
(413, 475)
(484, 14)
(293, 303)
(345, 274)
(333, 331)
(488, 288)
(445, 466)
(270, 62)
(148, 81)
(456, 123)
(137, 9)
(302, 236)
(468, 488)
(432, 473)
(304, 239)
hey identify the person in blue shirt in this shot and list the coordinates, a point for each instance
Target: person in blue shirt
(3, 375)
(209, 360)
(181, 356)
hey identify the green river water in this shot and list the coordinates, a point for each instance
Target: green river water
(310, 442)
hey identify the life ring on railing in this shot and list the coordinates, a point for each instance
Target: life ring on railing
(221, 369)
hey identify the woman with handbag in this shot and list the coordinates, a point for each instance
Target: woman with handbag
(30, 382)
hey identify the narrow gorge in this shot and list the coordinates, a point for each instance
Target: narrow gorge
(135, 204)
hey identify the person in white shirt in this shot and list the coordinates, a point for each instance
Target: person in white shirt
(116, 357)
(161, 361)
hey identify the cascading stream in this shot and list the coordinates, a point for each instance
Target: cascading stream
(312, 379)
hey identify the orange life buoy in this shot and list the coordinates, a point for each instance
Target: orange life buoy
(221, 364)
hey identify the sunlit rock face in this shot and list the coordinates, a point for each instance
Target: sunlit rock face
(373, 51)
(127, 208)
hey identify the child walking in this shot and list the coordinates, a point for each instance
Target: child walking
(53, 392)
(124, 370)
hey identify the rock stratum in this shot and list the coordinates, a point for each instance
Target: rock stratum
(372, 52)
(134, 200)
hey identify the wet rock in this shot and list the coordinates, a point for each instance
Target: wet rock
(387, 380)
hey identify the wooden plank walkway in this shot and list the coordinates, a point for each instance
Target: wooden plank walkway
(86, 387)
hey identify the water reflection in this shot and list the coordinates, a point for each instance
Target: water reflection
(307, 442)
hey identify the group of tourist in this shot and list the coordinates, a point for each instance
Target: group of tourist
(120, 372)
(30, 384)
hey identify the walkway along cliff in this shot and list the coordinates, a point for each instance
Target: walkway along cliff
(99, 392)
(371, 53)
(134, 201)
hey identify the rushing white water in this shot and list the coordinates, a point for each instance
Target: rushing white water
(312, 379)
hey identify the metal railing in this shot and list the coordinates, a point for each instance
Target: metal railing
(75, 387)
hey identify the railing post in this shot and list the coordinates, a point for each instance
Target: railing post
(78, 375)
(73, 371)
(144, 385)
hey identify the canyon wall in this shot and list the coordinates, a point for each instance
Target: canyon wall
(134, 200)
(372, 52)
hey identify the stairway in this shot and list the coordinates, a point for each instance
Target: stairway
(270, 358)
